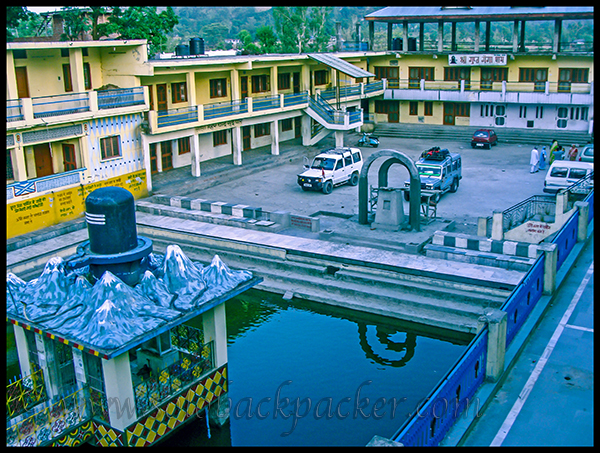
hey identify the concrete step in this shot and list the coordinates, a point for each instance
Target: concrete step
(505, 135)
(515, 263)
(207, 217)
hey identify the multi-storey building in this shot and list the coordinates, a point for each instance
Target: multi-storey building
(73, 116)
(89, 113)
(474, 81)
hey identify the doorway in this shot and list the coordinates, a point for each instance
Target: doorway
(166, 154)
(246, 139)
(161, 97)
(449, 113)
(22, 85)
(43, 160)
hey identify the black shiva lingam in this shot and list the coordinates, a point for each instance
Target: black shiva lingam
(113, 243)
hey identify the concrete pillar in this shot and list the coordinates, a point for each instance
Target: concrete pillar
(22, 350)
(306, 130)
(339, 139)
(515, 36)
(404, 36)
(76, 64)
(275, 138)
(390, 26)
(557, 30)
(119, 391)
(582, 226)
(236, 144)
(496, 321)
(476, 44)
(497, 226)
(440, 36)
(215, 330)
(147, 164)
(371, 34)
(550, 263)
(562, 199)
(195, 148)
(190, 80)
(482, 226)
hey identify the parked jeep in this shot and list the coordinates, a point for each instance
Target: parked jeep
(330, 168)
(439, 170)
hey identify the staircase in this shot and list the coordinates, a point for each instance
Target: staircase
(538, 137)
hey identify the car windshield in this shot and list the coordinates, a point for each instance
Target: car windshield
(428, 170)
(481, 134)
(323, 163)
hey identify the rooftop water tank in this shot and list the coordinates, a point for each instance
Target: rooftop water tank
(182, 50)
(197, 46)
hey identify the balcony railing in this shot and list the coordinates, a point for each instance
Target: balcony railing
(177, 116)
(44, 107)
(66, 104)
(125, 97)
(223, 109)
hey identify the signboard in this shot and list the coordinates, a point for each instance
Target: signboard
(486, 59)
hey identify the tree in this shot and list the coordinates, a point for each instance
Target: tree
(14, 16)
(76, 23)
(267, 39)
(141, 22)
(248, 46)
(302, 28)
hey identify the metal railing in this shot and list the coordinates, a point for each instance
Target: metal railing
(124, 97)
(66, 104)
(223, 109)
(177, 116)
(14, 110)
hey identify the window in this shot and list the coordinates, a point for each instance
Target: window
(262, 129)
(348, 160)
(462, 109)
(110, 147)
(538, 76)
(356, 157)
(523, 111)
(67, 77)
(9, 167)
(389, 73)
(322, 77)
(260, 83)
(413, 108)
(183, 145)
(69, 160)
(416, 74)
(287, 124)
(539, 111)
(456, 74)
(487, 110)
(218, 88)
(491, 75)
(87, 76)
(220, 137)
(178, 91)
(339, 164)
(428, 107)
(283, 81)
(566, 76)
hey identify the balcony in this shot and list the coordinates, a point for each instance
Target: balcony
(493, 92)
(206, 114)
(46, 110)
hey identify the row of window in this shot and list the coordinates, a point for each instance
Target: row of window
(538, 76)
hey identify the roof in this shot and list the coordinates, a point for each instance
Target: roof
(470, 13)
(340, 65)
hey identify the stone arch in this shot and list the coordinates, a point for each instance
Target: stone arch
(394, 157)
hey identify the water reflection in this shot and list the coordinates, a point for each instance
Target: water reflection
(302, 373)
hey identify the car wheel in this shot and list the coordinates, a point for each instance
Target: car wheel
(327, 187)
(454, 186)
(305, 188)
(354, 179)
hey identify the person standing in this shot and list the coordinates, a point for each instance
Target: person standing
(534, 160)
(553, 150)
(543, 157)
(572, 153)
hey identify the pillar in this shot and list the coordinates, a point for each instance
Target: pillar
(582, 226)
(551, 259)
(476, 44)
(190, 80)
(482, 226)
(275, 138)
(22, 350)
(496, 352)
(215, 330)
(390, 26)
(371, 35)
(488, 33)
(306, 130)
(557, 30)
(119, 391)
(195, 149)
(147, 164)
(405, 36)
(236, 144)
(515, 36)
(76, 63)
(497, 226)
(440, 36)
(339, 139)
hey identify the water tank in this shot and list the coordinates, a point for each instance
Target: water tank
(197, 46)
(182, 50)
(110, 216)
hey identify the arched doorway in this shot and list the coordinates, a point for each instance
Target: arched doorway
(394, 157)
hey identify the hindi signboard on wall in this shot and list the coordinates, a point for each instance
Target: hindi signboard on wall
(477, 59)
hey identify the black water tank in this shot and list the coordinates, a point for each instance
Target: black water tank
(110, 216)
(182, 50)
(197, 46)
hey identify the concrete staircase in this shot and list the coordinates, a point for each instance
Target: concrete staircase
(425, 299)
(538, 137)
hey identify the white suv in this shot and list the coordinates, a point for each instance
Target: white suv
(331, 168)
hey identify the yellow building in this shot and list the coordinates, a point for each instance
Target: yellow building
(74, 111)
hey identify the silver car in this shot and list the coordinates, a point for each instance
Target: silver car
(587, 153)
